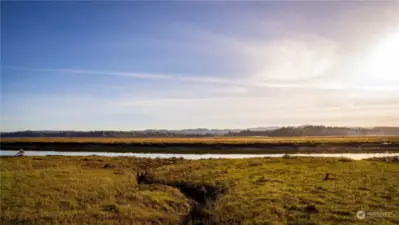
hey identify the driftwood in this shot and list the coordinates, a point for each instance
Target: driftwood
(21, 152)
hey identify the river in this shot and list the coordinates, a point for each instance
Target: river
(356, 156)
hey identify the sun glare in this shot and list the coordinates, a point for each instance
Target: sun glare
(384, 58)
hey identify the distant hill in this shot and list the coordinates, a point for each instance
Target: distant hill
(306, 130)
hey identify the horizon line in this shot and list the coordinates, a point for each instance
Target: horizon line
(158, 129)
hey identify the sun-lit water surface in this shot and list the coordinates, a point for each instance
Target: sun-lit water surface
(356, 156)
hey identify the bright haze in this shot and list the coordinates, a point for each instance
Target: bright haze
(216, 64)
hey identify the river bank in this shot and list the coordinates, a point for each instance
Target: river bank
(354, 156)
(209, 145)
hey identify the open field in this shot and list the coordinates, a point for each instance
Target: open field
(101, 190)
(228, 145)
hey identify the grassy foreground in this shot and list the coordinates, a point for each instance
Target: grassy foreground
(101, 190)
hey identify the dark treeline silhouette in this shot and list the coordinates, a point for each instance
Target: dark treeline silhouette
(320, 131)
(279, 132)
(120, 134)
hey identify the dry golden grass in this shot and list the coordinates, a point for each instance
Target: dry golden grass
(80, 190)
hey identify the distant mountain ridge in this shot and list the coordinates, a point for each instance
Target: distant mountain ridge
(273, 131)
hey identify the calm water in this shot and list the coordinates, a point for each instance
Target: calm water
(356, 156)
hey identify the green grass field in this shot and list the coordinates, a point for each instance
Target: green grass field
(101, 190)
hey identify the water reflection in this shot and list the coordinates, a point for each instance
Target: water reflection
(356, 156)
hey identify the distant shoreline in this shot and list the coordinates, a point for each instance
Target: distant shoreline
(241, 145)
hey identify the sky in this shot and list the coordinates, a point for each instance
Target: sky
(128, 65)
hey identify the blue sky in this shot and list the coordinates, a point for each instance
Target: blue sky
(216, 64)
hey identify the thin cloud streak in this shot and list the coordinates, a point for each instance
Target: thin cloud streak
(253, 82)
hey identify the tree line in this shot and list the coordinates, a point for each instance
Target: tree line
(279, 132)
(320, 131)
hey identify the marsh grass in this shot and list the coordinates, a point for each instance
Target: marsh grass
(213, 140)
(80, 190)
(292, 190)
(215, 145)
(244, 191)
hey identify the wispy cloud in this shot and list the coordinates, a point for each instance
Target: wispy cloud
(179, 78)
(257, 80)
(274, 70)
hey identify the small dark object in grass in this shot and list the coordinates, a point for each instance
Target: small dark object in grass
(110, 208)
(143, 178)
(343, 159)
(108, 166)
(326, 177)
(255, 164)
(311, 209)
(286, 156)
